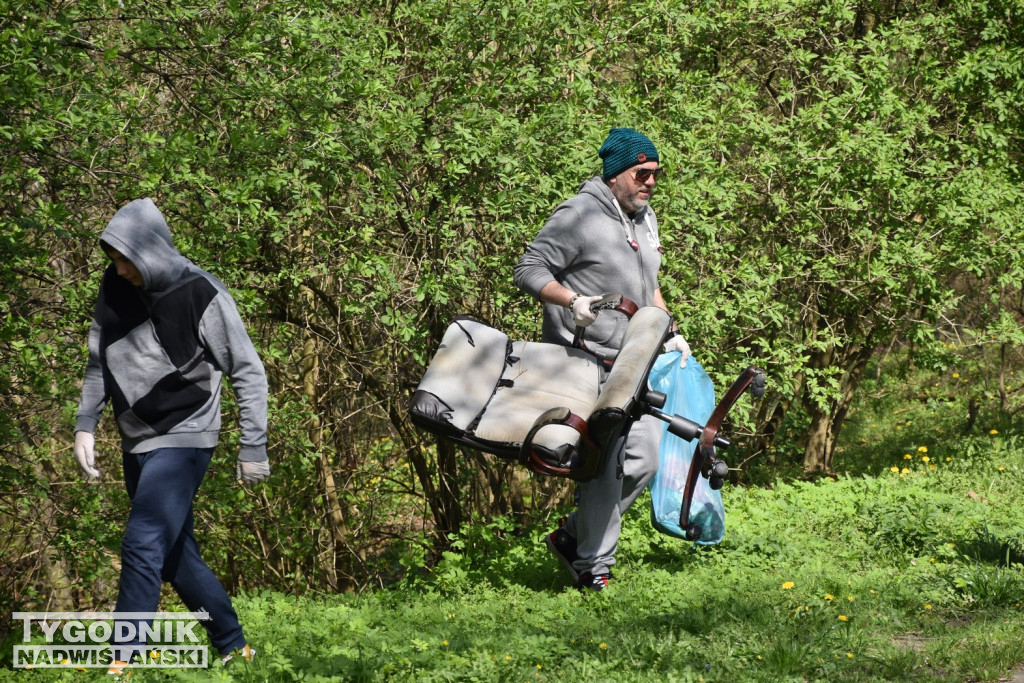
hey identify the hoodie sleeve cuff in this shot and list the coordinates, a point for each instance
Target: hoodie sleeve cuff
(86, 424)
(253, 454)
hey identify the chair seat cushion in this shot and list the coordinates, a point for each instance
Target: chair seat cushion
(539, 377)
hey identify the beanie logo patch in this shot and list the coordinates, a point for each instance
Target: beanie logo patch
(641, 157)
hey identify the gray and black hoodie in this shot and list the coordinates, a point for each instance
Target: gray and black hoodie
(158, 352)
(585, 246)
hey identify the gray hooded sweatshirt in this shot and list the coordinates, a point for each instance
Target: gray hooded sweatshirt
(585, 246)
(158, 352)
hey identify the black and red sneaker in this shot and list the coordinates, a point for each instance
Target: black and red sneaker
(563, 546)
(593, 582)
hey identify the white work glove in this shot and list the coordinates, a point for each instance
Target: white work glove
(252, 472)
(85, 452)
(581, 313)
(678, 343)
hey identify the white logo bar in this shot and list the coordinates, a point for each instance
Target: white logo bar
(55, 616)
(101, 656)
(82, 640)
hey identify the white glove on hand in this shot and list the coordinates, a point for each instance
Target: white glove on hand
(85, 451)
(678, 343)
(252, 472)
(581, 313)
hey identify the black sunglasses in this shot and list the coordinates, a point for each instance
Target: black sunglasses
(642, 174)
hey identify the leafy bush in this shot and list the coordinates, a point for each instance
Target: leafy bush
(844, 185)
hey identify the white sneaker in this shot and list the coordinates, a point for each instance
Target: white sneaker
(117, 668)
(247, 653)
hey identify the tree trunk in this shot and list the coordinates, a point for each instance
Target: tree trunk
(827, 421)
(448, 487)
(338, 563)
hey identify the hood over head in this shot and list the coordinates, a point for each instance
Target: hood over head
(139, 232)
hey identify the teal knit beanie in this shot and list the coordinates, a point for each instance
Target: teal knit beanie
(625, 148)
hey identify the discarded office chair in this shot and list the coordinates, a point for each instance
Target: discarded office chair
(545, 406)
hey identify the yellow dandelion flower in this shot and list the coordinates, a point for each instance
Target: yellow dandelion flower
(905, 470)
(907, 456)
(894, 469)
(508, 658)
(445, 643)
(538, 666)
(956, 375)
(849, 655)
(931, 467)
(604, 646)
(993, 431)
(949, 459)
(843, 617)
(922, 449)
(64, 661)
(760, 657)
(1000, 468)
(872, 591)
(829, 596)
(927, 606)
(850, 598)
(786, 585)
(154, 654)
(925, 458)
(932, 559)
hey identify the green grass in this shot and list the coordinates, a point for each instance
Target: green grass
(898, 577)
(907, 575)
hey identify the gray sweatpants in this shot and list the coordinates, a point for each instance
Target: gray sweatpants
(597, 519)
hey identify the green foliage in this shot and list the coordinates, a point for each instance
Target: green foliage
(844, 181)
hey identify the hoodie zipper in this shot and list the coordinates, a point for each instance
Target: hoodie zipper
(634, 240)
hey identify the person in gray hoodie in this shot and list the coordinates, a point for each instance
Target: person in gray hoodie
(604, 239)
(163, 334)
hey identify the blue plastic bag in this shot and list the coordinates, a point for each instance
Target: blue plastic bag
(691, 394)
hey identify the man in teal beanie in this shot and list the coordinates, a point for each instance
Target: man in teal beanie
(604, 239)
(625, 148)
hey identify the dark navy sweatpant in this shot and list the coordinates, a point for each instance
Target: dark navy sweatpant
(159, 545)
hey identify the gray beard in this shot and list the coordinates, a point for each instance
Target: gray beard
(632, 204)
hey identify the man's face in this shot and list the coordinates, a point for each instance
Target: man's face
(634, 194)
(126, 268)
